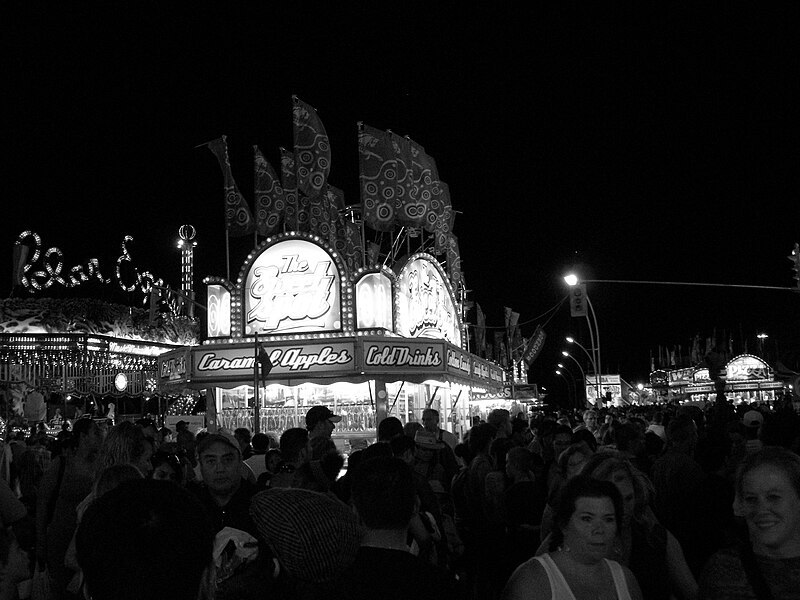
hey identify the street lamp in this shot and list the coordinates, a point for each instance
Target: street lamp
(571, 340)
(583, 373)
(761, 337)
(572, 280)
(571, 396)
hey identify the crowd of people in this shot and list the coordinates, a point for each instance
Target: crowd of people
(642, 502)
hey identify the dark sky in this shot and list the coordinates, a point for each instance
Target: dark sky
(637, 144)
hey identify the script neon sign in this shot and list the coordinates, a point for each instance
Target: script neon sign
(292, 287)
(44, 269)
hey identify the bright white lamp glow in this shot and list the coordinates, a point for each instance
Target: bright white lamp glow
(571, 279)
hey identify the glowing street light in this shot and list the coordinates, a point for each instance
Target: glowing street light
(571, 340)
(571, 279)
(583, 373)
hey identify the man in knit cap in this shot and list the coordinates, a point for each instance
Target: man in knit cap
(313, 537)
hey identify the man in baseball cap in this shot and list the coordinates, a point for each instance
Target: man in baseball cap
(320, 421)
(223, 491)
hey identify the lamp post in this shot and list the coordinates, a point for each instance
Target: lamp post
(563, 367)
(761, 337)
(571, 340)
(583, 373)
(594, 334)
(570, 395)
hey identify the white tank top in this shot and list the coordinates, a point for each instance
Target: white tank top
(560, 587)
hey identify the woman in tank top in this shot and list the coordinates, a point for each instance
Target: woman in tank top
(587, 513)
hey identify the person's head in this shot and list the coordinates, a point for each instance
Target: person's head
(430, 420)
(167, 467)
(501, 419)
(571, 460)
(633, 486)
(320, 421)
(87, 436)
(562, 438)
(389, 428)
(260, 443)
(768, 497)
(126, 443)
(242, 435)
(220, 459)
(411, 428)
(585, 435)
(498, 450)
(427, 446)
(519, 463)
(590, 419)
(682, 434)
(752, 421)
(272, 459)
(383, 493)
(587, 515)
(629, 438)
(121, 537)
(404, 448)
(294, 446)
(112, 476)
(480, 437)
(149, 428)
(313, 536)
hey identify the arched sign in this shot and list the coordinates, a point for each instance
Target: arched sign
(747, 367)
(424, 302)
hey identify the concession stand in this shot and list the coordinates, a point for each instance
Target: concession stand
(747, 379)
(298, 329)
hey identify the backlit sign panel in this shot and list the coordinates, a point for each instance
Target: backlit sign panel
(424, 302)
(403, 355)
(374, 301)
(747, 367)
(292, 287)
(218, 311)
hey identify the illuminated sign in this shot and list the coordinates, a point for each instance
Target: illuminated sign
(172, 367)
(287, 360)
(378, 356)
(292, 287)
(218, 311)
(458, 361)
(41, 270)
(747, 367)
(424, 301)
(374, 301)
(121, 382)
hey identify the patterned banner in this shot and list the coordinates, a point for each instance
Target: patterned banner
(378, 176)
(424, 173)
(312, 149)
(454, 261)
(269, 197)
(409, 212)
(535, 345)
(289, 181)
(348, 235)
(238, 218)
(445, 216)
(321, 218)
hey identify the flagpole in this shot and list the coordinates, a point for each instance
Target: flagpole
(256, 411)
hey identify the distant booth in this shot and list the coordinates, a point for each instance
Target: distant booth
(747, 379)
(371, 344)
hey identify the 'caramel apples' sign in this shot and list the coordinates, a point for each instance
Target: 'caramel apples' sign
(292, 287)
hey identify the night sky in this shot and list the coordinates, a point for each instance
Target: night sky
(633, 144)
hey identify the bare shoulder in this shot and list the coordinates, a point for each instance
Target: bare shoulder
(528, 582)
(633, 585)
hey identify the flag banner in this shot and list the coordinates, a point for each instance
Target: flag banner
(377, 175)
(424, 173)
(312, 149)
(320, 217)
(480, 330)
(373, 254)
(500, 349)
(409, 212)
(289, 182)
(454, 261)
(336, 198)
(270, 202)
(238, 218)
(445, 217)
(511, 318)
(535, 345)
(264, 363)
